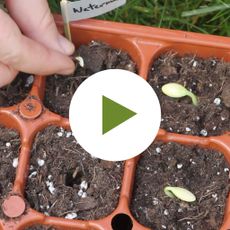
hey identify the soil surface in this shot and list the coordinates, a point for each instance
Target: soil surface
(97, 56)
(65, 181)
(203, 172)
(208, 78)
(9, 149)
(17, 91)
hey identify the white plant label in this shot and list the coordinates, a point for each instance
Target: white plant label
(91, 8)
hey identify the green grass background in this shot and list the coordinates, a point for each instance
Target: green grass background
(205, 16)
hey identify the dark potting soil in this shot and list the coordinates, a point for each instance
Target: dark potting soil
(208, 78)
(17, 91)
(65, 181)
(9, 149)
(203, 172)
(97, 56)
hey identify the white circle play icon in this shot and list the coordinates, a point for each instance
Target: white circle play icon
(115, 115)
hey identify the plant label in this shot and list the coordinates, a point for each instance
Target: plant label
(91, 8)
(115, 115)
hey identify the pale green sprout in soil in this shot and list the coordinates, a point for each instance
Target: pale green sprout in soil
(180, 193)
(176, 90)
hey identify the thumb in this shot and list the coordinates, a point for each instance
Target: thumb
(36, 21)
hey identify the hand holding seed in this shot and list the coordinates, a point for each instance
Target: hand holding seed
(39, 50)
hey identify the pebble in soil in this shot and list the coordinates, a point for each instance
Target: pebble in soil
(97, 56)
(208, 78)
(9, 149)
(17, 91)
(203, 172)
(65, 181)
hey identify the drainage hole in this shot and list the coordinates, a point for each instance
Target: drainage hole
(122, 221)
(73, 177)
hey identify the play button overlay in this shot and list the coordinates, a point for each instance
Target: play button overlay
(115, 115)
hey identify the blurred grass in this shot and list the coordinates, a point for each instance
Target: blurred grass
(205, 16)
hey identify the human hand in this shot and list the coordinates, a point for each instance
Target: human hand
(39, 50)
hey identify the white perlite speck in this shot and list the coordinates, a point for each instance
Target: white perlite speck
(194, 64)
(33, 174)
(60, 134)
(84, 195)
(8, 144)
(155, 201)
(166, 212)
(15, 162)
(83, 185)
(40, 162)
(226, 169)
(204, 132)
(80, 193)
(158, 149)
(50, 187)
(187, 129)
(71, 216)
(68, 134)
(217, 101)
(29, 81)
(179, 166)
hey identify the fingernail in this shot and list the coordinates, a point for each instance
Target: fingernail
(66, 46)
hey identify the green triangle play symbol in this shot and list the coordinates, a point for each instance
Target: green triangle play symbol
(113, 114)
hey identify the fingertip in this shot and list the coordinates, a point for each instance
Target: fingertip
(69, 69)
(66, 46)
(7, 74)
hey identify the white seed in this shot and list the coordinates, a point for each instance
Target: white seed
(84, 195)
(15, 162)
(158, 149)
(8, 144)
(204, 132)
(163, 226)
(40, 162)
(214, 128)
(50, 186)
(71, 216)
(80, 61)
(187, 129)
(217, 101)
(179, 166)
(83, 185)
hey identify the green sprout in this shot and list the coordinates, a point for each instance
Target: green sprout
(180, 193)
(176, 90)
